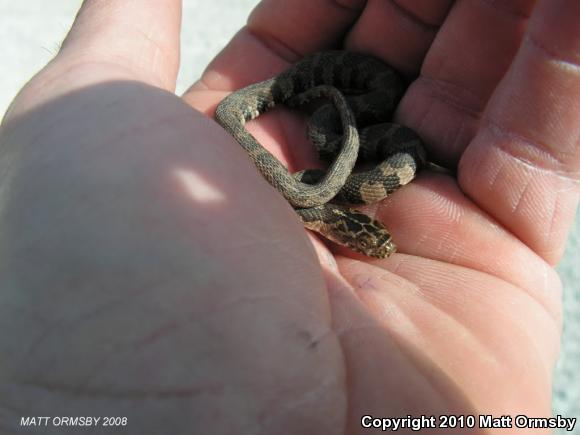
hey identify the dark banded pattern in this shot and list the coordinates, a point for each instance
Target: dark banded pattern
(357, 90)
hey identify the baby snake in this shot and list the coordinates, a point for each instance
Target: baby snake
(364, 92)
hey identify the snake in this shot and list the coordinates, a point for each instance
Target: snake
(350, 98)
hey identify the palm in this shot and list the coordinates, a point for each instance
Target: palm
(437, 311)
(444, 304)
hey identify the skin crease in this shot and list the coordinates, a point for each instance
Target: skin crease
(148, 271)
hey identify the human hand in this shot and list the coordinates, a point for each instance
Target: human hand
(189, 286)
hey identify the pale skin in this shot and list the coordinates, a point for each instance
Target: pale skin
(148, 271)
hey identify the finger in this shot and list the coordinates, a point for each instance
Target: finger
(140, 38)
(110, 40)
(471, 53)
(398, 31)
(523, 166)
(266, 46)
(271, 38)
(270, 41)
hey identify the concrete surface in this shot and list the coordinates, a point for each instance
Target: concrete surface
(30, 34)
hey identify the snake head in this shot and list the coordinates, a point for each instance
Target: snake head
(378, 244)
(349, 228)
(363, 234)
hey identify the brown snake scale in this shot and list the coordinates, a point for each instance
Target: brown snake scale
(354, 96)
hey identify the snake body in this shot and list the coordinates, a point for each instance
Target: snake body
(360, 94)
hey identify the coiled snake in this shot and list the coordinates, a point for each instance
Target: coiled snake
(364, 92)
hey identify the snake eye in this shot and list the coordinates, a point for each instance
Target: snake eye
(365, 242)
